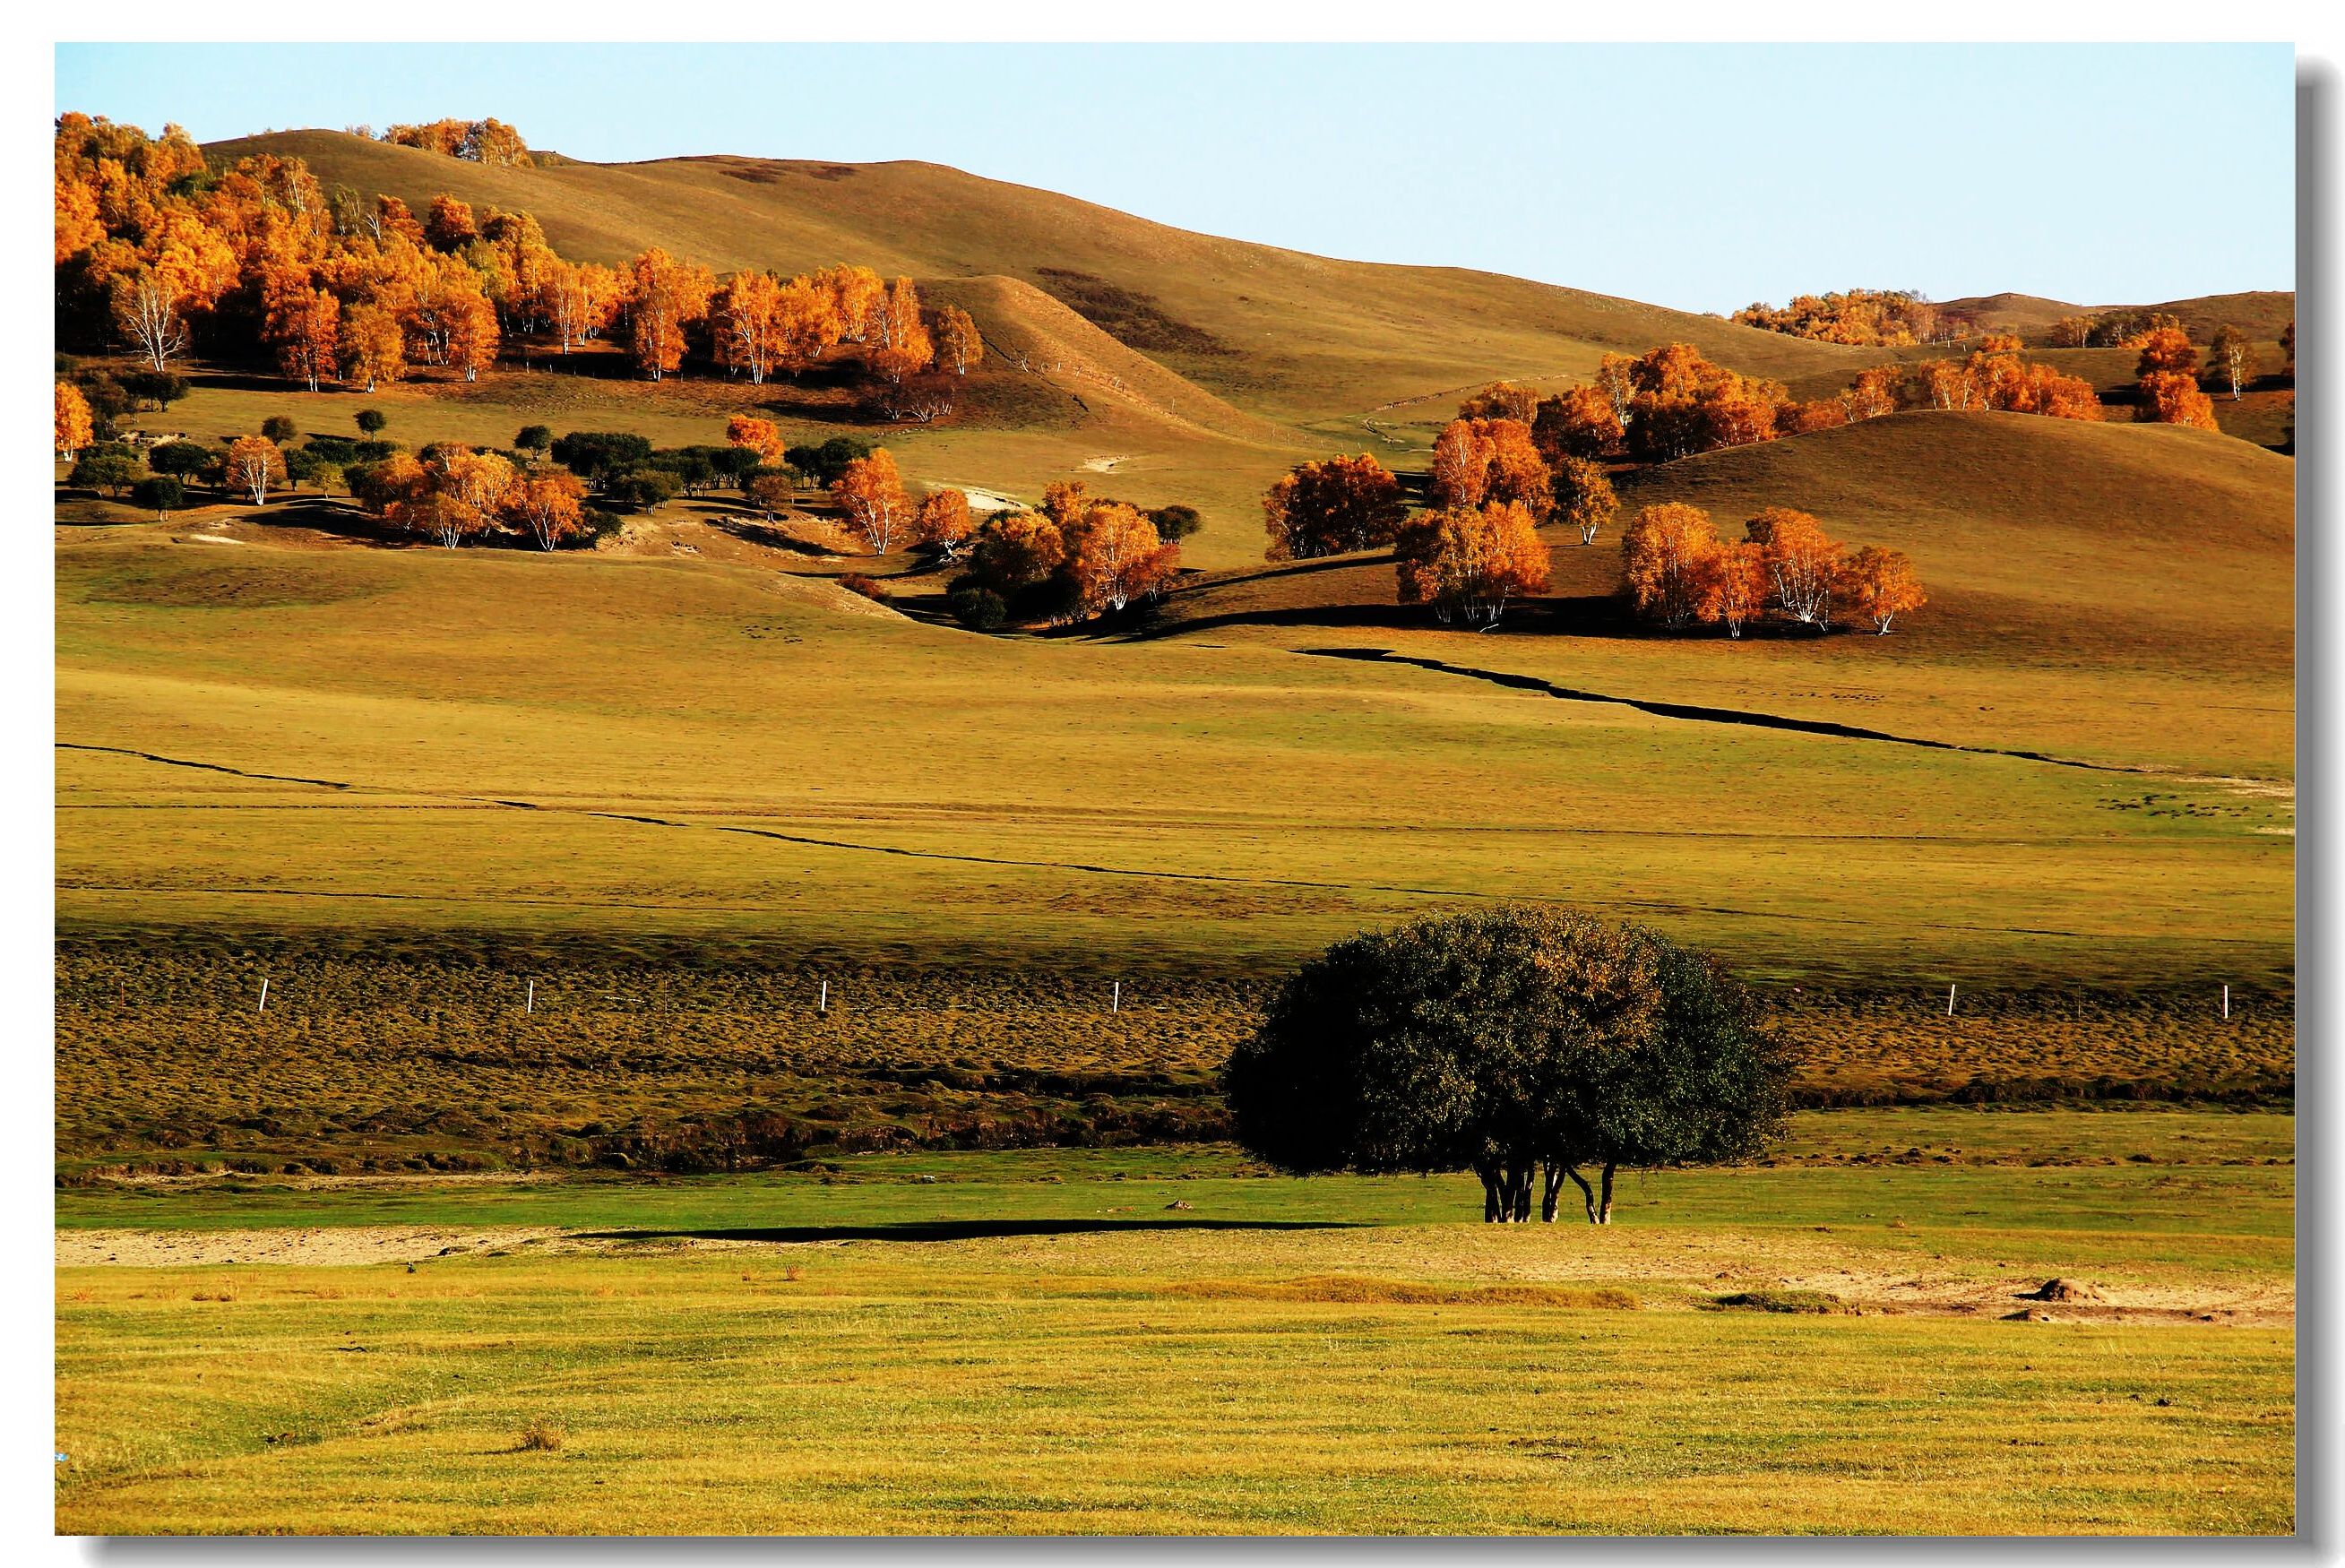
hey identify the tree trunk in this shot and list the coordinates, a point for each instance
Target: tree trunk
(1489, 1175)
(1604, 1206)
(1586, 1191)
(1550, 1186)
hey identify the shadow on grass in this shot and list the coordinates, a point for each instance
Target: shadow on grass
(958, 1229)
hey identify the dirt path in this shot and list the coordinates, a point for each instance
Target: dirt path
(1860, 1285)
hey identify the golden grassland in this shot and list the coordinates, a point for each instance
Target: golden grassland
(575, 742)
(1134, 1341)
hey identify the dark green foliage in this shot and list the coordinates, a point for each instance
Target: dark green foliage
(595, 456)
(533, 439)
(976, 607)
(158, 390)
(374, 452)
(304, 466)
(280, 429)
(371, 422)
(1505, 1040)
(1175, 522)
(735, 466)
(110, 467)
(161, 495)
(823, 464)
(644, 488)
(182, 460)
(690, 465)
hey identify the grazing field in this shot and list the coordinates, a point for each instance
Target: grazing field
(1153, 1341)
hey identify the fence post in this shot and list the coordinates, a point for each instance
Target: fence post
(822, 1003)
(264, 993)
(529, 1003)
(1115, 1001)
(1949, 1001)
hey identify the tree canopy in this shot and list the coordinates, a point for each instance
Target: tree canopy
(1518, 1041)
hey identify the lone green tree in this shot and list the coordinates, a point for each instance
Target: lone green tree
(1525, 1043)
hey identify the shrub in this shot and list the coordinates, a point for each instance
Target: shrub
(112, 469)
(540, 1436)
(823, 464)
(533, 439)
(370, 422)
(162, 495)
(597, 456)
(979, 609)
(1176, 522)
(856, 582)
(182, 460)
(159, 387)
(646, 490)
(280, 429)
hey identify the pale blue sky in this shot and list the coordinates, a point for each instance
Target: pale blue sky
(1703, 177)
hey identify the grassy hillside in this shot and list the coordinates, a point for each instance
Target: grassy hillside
(1286, 336)
(2260, 315)
(1234, 793)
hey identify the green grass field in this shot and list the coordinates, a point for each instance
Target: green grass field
(1044, 1343)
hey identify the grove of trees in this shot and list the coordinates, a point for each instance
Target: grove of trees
(1678, 571)
(1530, 1045)
(1872, 317)
(157, 250)
(1077, 557)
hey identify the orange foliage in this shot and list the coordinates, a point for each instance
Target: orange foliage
(1734, 585)
(1117, 557)
(74, 426)
(2174, 398)
(1468, 562)
(1803, 562)
(1881, 584)
(761, 436)
(960, 346)
(1579, 423)
(254, 464)
(2166, 349)
(943, 521)
(547, 504)
(870, 493)
(664, 297)
(1583, 496)
(1502, 400)
(1486, 459)
(1330, 507)
(1666, 557)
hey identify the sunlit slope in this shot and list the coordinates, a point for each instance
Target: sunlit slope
(603, 746)
(1278, 332)
(2259, 314)
(2043, 539)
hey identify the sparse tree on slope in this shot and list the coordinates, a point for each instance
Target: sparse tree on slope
(871, 495)
(1665, 556)
(2232, 357)
(254, 464)
(1881, 584)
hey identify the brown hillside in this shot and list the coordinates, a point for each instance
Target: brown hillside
(1289, 336)
(2260, 315)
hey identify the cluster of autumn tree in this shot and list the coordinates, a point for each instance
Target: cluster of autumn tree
(1077, 557)
(490, 142)
(1496, 477)
(1872, 318)
(154, 248)
(1679, 573)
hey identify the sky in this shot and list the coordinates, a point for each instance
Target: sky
(1703, 177)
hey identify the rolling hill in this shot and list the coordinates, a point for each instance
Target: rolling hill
(2260, 315)
(1286, 336)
